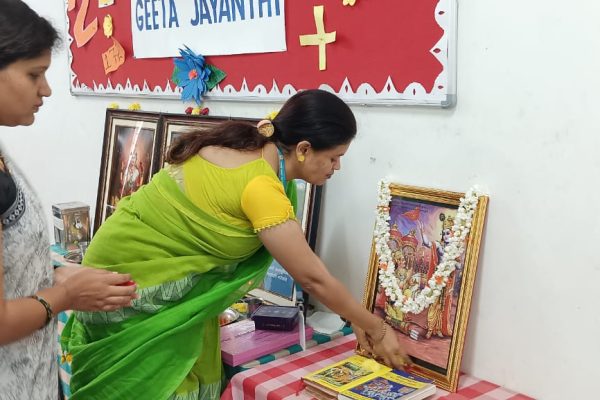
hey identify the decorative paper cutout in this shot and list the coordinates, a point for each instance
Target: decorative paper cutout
(321, 38)
(348, 2)
(70, 5)
(194, 76)
(83, 35)
(107, 26)
(105, 3)
(114, 57)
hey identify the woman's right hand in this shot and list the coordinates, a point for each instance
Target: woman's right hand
(91, 289)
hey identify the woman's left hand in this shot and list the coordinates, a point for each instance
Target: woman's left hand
(65, 271)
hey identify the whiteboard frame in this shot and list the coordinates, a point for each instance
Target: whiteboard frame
(364, 94)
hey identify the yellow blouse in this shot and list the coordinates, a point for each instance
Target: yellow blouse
(250, 195)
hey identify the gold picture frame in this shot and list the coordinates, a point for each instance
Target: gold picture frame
(420, 226)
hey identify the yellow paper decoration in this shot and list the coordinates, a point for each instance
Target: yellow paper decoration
(348, 2)
(107, 26)
(321, 38)
(196, 111)
(113, 106)
(134, 107)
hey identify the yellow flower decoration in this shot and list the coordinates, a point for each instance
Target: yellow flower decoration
(196, 110)
(348, 2)
(113, 106)
(134, 107)
(271, 116)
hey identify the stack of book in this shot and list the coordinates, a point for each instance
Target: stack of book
(241, 342)
(360, 378)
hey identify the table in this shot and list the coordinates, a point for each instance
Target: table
(281, 379)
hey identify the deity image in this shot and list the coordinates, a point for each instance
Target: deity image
(438, 314)
(131, 176)
(425, 321)
(130, 165)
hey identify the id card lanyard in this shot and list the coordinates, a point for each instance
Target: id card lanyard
(281, 168)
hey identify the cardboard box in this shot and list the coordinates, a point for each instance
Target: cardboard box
(71, 224)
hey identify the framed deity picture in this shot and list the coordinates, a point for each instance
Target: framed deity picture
(422, 271)
(129, 156)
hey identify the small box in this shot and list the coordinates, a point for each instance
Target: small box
(71, 224)
(279, 318)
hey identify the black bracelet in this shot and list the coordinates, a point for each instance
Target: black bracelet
(49, 312)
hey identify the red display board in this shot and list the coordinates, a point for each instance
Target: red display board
(386, 51)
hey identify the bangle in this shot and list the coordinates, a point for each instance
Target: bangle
(383, 331)
(49, 312)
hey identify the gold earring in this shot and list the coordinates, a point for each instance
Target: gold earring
(301, 158)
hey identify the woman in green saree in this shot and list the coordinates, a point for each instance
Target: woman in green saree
(197, 238)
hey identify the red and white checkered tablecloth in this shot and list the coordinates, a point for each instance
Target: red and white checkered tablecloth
(281, 379)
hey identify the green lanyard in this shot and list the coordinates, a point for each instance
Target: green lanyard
(281, 168)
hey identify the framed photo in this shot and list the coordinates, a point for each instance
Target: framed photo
(420, 228)
(174, 125)
(279, 287)
(129, 155)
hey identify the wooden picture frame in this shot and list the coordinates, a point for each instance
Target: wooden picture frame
(129, 155)
(278, 286)
(420, 226)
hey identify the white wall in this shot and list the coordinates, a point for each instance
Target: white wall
(523, 128)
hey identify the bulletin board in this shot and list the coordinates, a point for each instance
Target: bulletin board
(385, 52)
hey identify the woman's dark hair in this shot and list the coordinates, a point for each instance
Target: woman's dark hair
(23, 33)
(317, 116)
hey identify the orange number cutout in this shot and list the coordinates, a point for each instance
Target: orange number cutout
(83, 35)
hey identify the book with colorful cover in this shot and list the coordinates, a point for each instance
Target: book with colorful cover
(358, 377)
(393, 385)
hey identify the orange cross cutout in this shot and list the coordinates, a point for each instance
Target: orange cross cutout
(321, 38)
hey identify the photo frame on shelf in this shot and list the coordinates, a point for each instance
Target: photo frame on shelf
(129, 156)
(420, 228)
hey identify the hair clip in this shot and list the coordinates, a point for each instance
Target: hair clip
(265, 128)
(272, 115)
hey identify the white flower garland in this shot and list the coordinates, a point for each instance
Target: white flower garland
(452, 251)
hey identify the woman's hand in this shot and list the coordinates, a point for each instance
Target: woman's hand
(65, 271)
(362, 339)
(389, 350)
(90, 289)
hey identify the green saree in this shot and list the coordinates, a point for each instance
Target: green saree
(189, 267)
